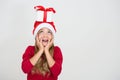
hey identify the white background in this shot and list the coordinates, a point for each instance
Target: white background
(88, 32)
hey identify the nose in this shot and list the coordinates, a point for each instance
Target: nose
(45, 35)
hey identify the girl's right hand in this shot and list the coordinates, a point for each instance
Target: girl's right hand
(39, 43)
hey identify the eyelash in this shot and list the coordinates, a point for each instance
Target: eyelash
(48, 32)
(40, 31)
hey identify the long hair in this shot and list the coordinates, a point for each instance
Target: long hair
(42, 65)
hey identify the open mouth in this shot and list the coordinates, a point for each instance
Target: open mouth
(44, 40)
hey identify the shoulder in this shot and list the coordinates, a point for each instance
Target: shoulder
(57, 48)
(57, 51)
(30, 49)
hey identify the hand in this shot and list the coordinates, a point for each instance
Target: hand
(39, 43)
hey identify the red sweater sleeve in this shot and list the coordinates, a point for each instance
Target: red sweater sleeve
(57, 67)
(26, 64)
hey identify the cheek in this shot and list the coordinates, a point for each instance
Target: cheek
(50, 37)
(39, 36)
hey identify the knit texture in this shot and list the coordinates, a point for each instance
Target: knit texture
(55, 69)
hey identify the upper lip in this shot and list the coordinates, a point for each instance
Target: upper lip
(44, 40)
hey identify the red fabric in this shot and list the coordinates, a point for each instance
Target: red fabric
(39, 22)
(45, 10)
(41, 8)
(55, 69)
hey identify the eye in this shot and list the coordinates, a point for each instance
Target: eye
(49, 32)
(40, 31)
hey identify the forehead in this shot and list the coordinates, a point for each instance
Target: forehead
(44, 28)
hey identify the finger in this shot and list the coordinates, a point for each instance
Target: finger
(40, 40)
(37, 39)
(51, 42)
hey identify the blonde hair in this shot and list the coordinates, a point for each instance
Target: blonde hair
(41, 66)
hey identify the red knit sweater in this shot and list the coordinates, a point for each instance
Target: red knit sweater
(55, 69)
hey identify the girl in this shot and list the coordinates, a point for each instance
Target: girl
(43, 61)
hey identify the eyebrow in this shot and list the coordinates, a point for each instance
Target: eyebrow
(43, 29)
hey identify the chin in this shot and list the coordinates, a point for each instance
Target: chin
(44, 45)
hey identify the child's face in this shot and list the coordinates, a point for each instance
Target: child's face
(45, 35)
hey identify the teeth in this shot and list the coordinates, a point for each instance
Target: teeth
(45, 40)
